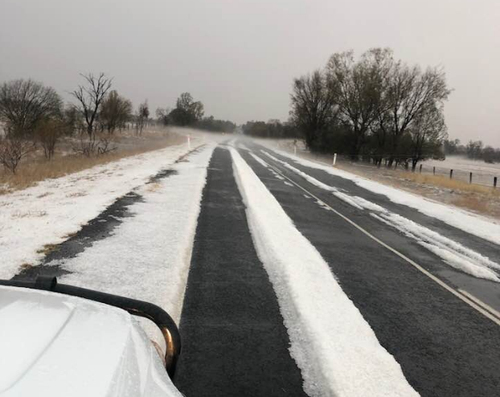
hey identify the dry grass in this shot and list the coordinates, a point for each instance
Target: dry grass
(36, 168)
(453, 184)
(26, 266)
(48, 248)
(153, 187)
(480, 199)
(474, 203)
(483, 200)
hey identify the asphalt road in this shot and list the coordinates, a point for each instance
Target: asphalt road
(234, 339)
(484, 289)
(444, 346)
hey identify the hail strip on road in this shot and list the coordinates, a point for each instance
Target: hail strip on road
(466, 297)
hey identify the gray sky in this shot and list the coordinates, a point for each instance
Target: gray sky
(239, 56)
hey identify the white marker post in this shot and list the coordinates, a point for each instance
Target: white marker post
(189, 142)
(334, 159)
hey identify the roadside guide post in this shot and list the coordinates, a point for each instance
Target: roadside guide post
(189, 141)
(334, 159)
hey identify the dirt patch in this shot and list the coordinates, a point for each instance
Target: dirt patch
(47, 249)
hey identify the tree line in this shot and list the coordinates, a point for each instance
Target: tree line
(376, 108)
(272, 129)
(190, 113)
(33, 115)
(474, 150)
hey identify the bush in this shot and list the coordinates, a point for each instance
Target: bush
(48, 134)
(13, 149)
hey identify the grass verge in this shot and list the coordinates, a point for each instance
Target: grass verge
(480, 199)
(37, 168)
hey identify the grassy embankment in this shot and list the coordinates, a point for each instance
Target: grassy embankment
(480, 199)
(36, 168)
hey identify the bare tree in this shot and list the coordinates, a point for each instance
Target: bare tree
(427, 133)
(73, 120)
(142, 116)
(13, 149)
(312, 106)
(409, 95)
(473, 149)
(24, 103)
(90, 98)
(48, 134)
(187, 111)
(356, 89)
(162, 115)
(115, 111)
(372, 107)
(96, 144)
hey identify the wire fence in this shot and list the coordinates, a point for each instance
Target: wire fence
(476, 177)
(473, 177)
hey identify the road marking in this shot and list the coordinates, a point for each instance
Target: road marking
(472, 301)
(480, 303)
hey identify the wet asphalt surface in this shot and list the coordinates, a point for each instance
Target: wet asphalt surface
(444, 347)
(235, 343)
(487, 291)
(234, 340)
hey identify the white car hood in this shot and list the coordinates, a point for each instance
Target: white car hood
(57, 345)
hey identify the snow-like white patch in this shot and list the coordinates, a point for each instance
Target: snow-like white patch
(482, 227)
(148, 255)
(276, 175)
(266, 165)
(452, 253)
(241, 146)
(336, 192)
(335, 348)
(53, 209)
(323, 205)
(259, 160)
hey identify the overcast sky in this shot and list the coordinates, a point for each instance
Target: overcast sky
(239, 56)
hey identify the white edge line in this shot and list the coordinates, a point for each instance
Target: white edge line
(480, 302)
(462, 295)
